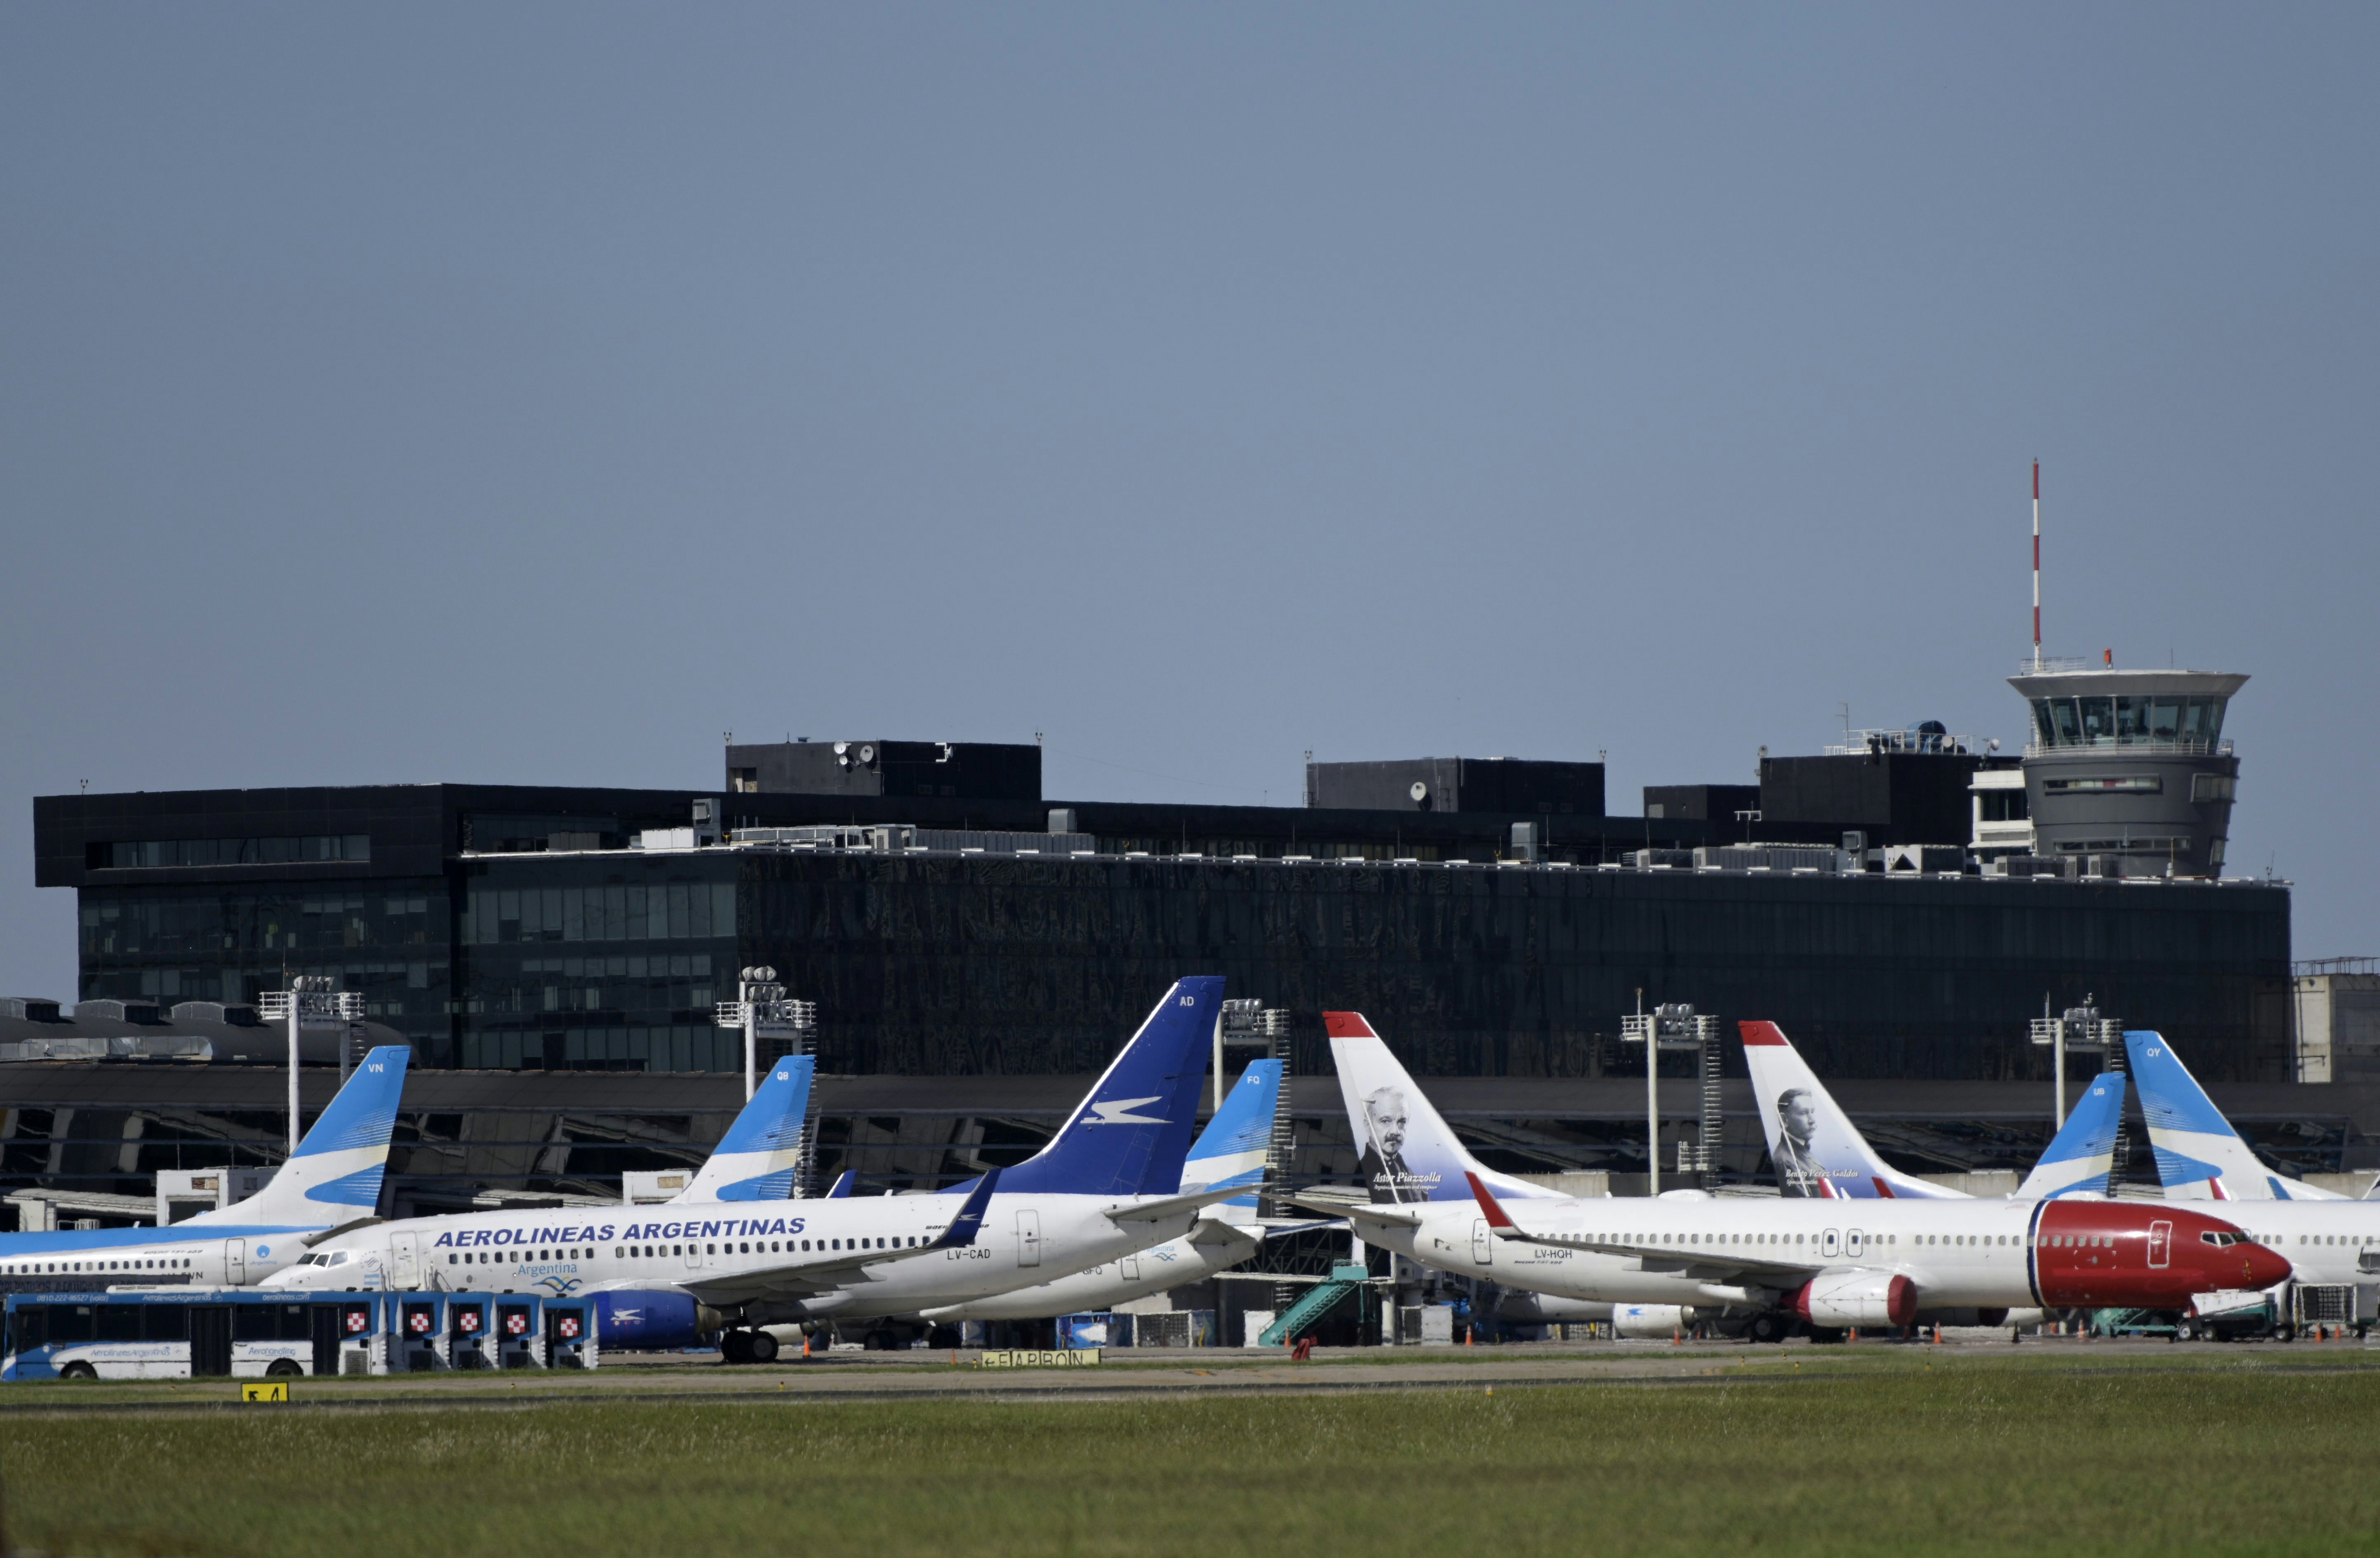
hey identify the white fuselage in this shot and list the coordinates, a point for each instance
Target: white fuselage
(216, 1256)
(1980, 1253)
(1210, 1247)
(711, 1248)
(2324, 1240)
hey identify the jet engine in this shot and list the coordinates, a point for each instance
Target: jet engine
(653, 1320)
(1656, 1322)
(1857, 1298)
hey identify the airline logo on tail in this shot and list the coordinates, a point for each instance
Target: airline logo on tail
(1237, 1142)
(758, 1158)
(1817, 1151)
(1406, 1152)
(335, 1173)
(1119, 1112)
(2199, 1156)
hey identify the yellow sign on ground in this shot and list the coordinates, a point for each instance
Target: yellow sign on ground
(265, 1390)
(1031, 1357)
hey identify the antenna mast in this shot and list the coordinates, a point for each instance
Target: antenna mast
(2037, 566)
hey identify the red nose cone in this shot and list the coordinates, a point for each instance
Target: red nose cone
(2266, 1267)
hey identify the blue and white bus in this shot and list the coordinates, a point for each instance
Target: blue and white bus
(185, 1333)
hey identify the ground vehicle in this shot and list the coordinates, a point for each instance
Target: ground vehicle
(195, 1332)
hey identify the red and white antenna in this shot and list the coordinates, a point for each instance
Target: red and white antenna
(2036, 564)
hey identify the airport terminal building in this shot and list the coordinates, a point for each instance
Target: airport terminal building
(957, 930)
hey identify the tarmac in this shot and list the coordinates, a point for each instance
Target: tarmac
(851, 1378)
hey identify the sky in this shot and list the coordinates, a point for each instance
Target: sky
(534, 394)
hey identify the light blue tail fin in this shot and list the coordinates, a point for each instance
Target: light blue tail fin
(334, 1175)
(2199, 1156)
(756, 1159)
(2083, 1154)
(1232, 1148)
(1131, 1134)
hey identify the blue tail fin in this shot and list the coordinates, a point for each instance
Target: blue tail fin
(756, 1159)
(2199, 1156)
(2083, 1154)
(1131, 1134)
(334, 1175)
(841, 1188)
(1232, 1148)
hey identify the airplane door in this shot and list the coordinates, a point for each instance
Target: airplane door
(1830, 1244)
(1132, 1267)
(1483, 1243)
(1028, 1237)
(1853, 1242)
(2160, 1244)
(405, 1261)
(234, 1262)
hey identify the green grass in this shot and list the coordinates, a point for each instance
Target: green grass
(1978, 1457)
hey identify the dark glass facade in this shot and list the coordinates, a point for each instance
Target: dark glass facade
(501, 927)
(599, 962)
(390, 938)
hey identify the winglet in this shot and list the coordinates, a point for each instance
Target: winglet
(1488, 1204)
(969, 1221)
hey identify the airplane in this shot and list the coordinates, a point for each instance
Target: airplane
(330, 1185)
(1820, 1155)
(1090, 1196)
(1231, 1151)
(1771, 1266)
(2199, 1156)
(2331, 1239)
(755, 1160)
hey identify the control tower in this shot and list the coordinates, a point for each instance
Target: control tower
(2128, 770)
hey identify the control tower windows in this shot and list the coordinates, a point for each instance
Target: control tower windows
(2097, 722)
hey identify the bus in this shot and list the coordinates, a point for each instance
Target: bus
(185, 1333)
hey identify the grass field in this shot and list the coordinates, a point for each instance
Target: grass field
(1983, 1456)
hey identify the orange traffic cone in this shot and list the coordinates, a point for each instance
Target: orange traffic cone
(1676, 1340)
(1937, 1335)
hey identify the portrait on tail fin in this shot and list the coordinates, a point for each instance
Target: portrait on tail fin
(1383, 1165)
(1799, 1173)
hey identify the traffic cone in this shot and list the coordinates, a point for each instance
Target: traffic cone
(1676, 1340)
(1937, 1335)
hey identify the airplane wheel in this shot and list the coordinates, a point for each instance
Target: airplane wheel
(760, 1347)
(737, 1346)
(284, 1369)
(1765, 1328)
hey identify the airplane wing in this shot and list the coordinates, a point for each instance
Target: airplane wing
(1172, 1206)
(809, 1278)
(1708, 1264)
(1379, 1214)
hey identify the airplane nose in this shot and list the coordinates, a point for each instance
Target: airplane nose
(2265, 1266)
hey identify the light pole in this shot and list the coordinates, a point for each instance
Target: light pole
(312, 1001)
(761, 1010)
(1677, 1029)
(2079, 1028)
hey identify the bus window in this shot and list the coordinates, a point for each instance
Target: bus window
(297, 1321)
(69, 1322)
(119, 1322)
(254, 1323)
(165, 1323)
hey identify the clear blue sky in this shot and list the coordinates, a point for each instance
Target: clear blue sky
(514, 394)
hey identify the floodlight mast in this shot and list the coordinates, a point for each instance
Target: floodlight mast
(1674, 1027)
(312, 999)
(761, 1005)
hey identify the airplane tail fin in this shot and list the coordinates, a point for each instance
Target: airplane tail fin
(1131, 1134)
(1405, 1151)
(2199, 1156)
(335, 1173)
(1817, 1151)
(1232, 1148)
(2083, 1154)
(756, 1159)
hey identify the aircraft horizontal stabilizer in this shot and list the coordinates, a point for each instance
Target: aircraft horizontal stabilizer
(1172, 1206)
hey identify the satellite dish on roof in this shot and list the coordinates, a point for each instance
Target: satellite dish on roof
(868, 754)
(1419, 791)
